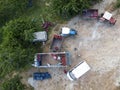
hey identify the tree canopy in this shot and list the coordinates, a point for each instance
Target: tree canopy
(16, 49)
(17, 33)
(10, 9)
(71, 7)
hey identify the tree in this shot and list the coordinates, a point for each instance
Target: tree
(16, 49)
(67, 8)
(18, 32)
(10, 9)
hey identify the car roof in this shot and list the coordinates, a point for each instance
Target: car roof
(80, 69)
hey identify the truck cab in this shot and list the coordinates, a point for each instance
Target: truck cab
(78, 71)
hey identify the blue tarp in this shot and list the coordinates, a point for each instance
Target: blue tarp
(41, 75)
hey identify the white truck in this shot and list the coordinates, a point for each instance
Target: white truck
(65, 31)
(78, 71)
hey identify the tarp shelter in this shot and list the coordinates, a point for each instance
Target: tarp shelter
(40, 36)
(107, 15)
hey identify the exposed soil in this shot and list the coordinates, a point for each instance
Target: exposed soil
(98, 44)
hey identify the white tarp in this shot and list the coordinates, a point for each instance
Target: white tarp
(65, 30)
(107, 15)
(40, 36)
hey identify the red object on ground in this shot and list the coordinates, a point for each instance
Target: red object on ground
(56, 48)
(95, 14)
(55, 36)
(60, 37)
(112, 21)
(38, 57)
(65, 71)
(90, 13)
(46, 25)
(63, 60)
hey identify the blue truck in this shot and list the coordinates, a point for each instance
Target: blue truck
(41, 76)
(65, 31)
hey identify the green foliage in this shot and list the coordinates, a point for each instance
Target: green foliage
(10, 9)
(13, 84)
(17, 33)
(117, 4)
(16, 49)
(67, 8)
(1, 34)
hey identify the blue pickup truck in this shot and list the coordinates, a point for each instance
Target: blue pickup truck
(41, 76)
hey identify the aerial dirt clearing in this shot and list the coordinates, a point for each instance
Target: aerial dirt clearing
(98, 44)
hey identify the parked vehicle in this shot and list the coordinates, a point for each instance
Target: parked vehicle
(107, 17)
(90, 13)
(65, 31)
(41, 75)
(56, 43)
(78, 71)
(52, 59)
